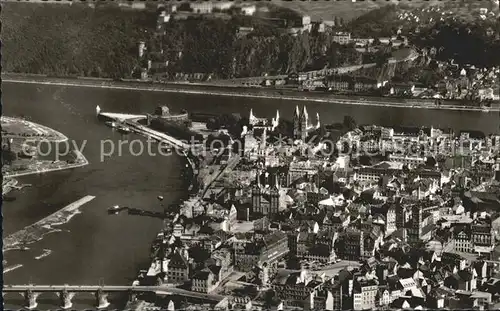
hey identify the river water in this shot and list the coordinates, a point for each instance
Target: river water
(95, 248)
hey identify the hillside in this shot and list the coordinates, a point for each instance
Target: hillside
(328, 10)
(71, 40)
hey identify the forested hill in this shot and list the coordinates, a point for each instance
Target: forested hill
(476, 43)
(103, 42)
(72, 40)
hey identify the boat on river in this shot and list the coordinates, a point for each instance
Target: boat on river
(116, 209)
(123, 129)
(112, 124)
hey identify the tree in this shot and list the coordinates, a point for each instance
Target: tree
(213, 124)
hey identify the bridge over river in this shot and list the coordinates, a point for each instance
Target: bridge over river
(67, 292)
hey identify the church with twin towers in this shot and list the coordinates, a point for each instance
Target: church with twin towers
(301, 124)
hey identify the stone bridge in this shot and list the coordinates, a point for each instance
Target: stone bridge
(67, 292)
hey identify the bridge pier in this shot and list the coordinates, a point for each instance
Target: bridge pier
(30, 299)
(102, 299)
(66, 297)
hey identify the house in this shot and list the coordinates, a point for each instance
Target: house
(364, 294)
(223, 5)
(362, 84)
(248, 10)
(221, 258)
(461, 238)
(462, 280)
(342, 37)
(296, 288)
(339, 83)
(244, 31)
(383, 296)
(203, 7)
(204, 281)
(178, 267)
(402, 89)
(482, 272)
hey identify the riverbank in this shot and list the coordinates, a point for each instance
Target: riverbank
(238, 91)
(36, 231)
(49, 166)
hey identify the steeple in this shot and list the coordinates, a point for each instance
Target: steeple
(277, 116)
(297, 112)
(257, 179)
(263, 139)
(276, 182)
(318, 122)
(305, 116)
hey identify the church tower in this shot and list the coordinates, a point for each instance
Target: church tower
(304, 120)
(274, 197)
(296, 123)
(256, 195)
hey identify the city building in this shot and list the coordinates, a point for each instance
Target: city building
(178, 267)
(202, 7)
(412, 161)
(297, 289)
(267, 199)
(364, 294)
(248, 10)
(204, 281)
(342, 38)
(263, 251)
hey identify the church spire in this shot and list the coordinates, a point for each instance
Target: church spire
(297, 112)
(276, 181)
(304, 113)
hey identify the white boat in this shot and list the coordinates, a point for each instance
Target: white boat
(123, 128)
(111, 124)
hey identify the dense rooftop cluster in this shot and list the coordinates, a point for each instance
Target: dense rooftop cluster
(408, 220)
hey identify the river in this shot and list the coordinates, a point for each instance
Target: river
(96, 248)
